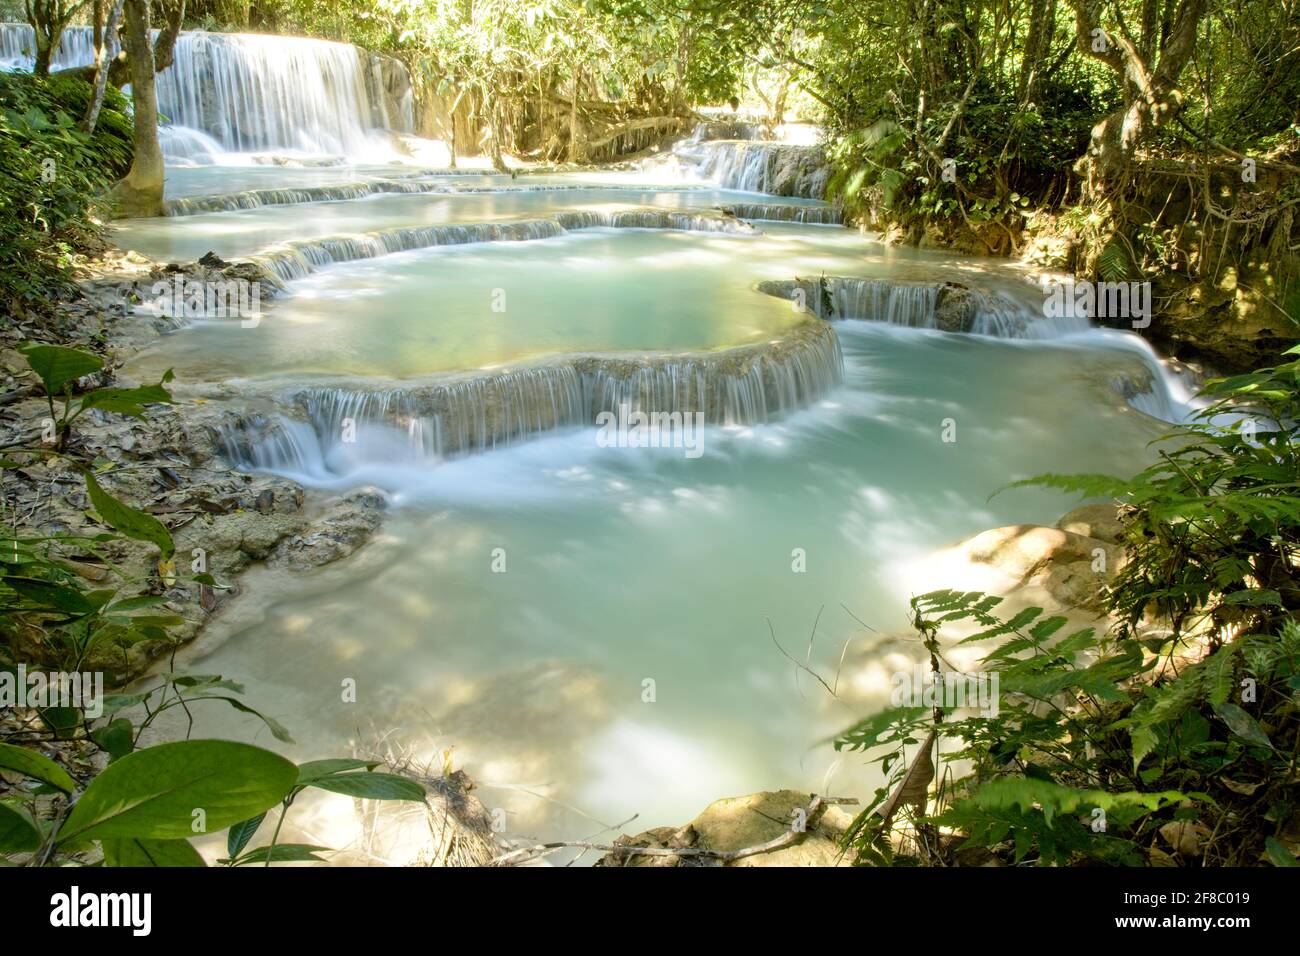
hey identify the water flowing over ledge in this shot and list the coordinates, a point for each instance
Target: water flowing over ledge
(778, 169)
(297, 260)
(787, 212)
(422, 423)
(946, 306)
(1154, 389)
(334, 192)
(251, 92)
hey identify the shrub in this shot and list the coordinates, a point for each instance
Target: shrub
(54, 177)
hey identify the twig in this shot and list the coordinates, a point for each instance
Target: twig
(523, 854)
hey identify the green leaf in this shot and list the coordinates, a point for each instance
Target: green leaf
(153, 793)
(117, 738)
(141, 852)
(278, 730)
(126, 401)
(1279, 855)
(46, 594)
(124, 518)
(17, 831)
(1243, 725)
(58, 366)
(283, 853)
(315, 769)
(64, 721)
(371, 786)
(1144, 741)
(34, 765)
(238, 836)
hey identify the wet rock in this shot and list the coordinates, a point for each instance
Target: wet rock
(956, 308)
(347, 526)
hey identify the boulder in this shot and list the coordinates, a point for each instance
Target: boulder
(1100, 521)
(1047, 565)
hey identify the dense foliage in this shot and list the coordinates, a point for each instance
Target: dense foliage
(1178, 731)
(54, 176)
(144, 807)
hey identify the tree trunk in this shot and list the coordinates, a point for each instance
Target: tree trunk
(141, 192)
(575, 148)
(104, 55)
(1150, 87)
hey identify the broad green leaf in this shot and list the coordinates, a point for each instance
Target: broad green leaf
(130, 851)
(37, 766)
(154, 793)
(315, 769)
(371, 786)
(283, 853)
(116, 738)
(115, 702)
(239, 834)
(46, 594)
(17, 831)
(126, 401)
(278, 730)
(58, 366)
(132, 523)
(1243, 725)
(1279, 855)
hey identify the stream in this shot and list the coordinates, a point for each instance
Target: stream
(593, 631)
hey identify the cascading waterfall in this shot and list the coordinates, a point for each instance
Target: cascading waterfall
(410, 425)
(18, 47)
(945, 306)
(257, 198)
(779, 169)
(786, 212)
(299, 259)
(182, 146)
(254, 93)
(949, 307)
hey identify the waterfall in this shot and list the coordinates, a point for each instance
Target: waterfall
(184, 146)
(18, 47)
(253, 93)
(256, 198)
(335, 429)
(786, 212)
(297, 260)
(780, 169)
(946, 306)
(949, 307)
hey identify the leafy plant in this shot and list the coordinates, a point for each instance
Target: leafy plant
(146, 805)
(1179, 728)
(46, 607)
